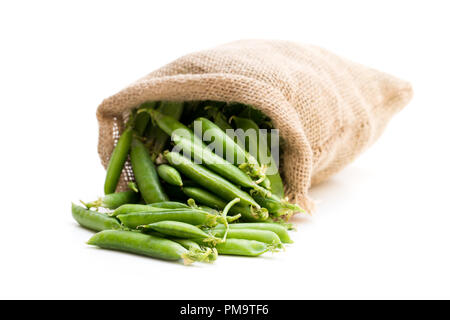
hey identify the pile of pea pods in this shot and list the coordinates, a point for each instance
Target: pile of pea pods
(195, 205)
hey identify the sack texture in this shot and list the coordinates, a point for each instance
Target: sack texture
(327, 109)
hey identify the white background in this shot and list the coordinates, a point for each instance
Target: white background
(382, 225)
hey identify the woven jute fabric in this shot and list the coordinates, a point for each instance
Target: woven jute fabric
(327, 109)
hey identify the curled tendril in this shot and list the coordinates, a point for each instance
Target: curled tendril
(224, 215)
(133, 186)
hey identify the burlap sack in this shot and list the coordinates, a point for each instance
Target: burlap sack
(328, 109)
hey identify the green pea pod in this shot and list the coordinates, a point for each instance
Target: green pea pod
(239, 157)
(265, 236)
(179, 230)
(208, 179)
(170, 175)
(242, 247)
(278, 207)
(128, 208)
(157, 137)
(170, 205)
(274, 227)
(255, 141)
(203, 155)
(115, 200)
(192, 216)
(190, 144)
(93, 220)
(187, 243)
(142, 119)
(131, 208)
(144, 244)
(221, 121)
(248, 213)
(276, 183)
(168, 125)
(117, 161)
(145, 174)
(218, 118)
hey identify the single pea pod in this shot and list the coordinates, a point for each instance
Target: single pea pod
(179, 230)
(115, 200)
(208, 179)
(128, 208)
(144, 244)
(248, 213)
(145, 174)
(170, 175)
(192, 216)
(117, 161)
(240, 158)
(280, 230)
(94, 220)
(242, 247)
(265, 236)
